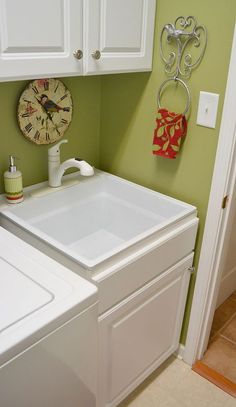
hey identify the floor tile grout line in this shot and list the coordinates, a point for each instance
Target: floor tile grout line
(228, 339)
(229, 320)
(224, 326)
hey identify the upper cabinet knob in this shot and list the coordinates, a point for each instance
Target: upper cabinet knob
(78, 54)
(96, 54)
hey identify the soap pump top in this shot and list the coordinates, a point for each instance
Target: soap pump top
(12, 166)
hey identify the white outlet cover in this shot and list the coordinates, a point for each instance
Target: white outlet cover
(207, 109)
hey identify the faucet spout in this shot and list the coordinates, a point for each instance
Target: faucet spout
(85, 170)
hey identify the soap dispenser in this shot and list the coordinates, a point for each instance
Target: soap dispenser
(13, 183)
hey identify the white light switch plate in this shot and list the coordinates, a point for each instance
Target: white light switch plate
(207, 109)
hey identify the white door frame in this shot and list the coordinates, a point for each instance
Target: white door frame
(217, 225)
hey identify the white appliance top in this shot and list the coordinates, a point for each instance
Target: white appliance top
(37, 295)
(19, 295)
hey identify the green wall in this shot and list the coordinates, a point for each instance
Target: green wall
(129, 107)
(114, 118)
(83, 133)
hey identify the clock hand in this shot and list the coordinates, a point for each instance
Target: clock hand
(42, 107)
(55, 126)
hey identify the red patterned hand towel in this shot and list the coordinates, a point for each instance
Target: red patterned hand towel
(171, 128)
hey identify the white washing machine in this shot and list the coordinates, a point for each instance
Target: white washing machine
(48, 331)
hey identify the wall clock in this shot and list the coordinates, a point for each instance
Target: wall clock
(44, 111)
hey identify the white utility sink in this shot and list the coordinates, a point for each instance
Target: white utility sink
(98, 217)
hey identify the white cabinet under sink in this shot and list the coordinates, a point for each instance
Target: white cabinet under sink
(140, 332)
(75, 37)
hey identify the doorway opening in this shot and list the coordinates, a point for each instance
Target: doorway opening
(215, 263)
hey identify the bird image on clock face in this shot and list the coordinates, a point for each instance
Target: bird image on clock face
(51, 106)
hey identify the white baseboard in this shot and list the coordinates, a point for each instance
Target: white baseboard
(180, 351)
(227, 286)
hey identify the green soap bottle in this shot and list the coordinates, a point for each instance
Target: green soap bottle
(13, 183)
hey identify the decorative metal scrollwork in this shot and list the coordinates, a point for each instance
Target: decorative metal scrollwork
(182, 35)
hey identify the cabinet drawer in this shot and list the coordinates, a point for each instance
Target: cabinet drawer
(125, 279)
(138, 334)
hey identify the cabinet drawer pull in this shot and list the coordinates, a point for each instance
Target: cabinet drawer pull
(78, 54)
(96, 54)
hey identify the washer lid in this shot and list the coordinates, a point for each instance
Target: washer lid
(37, 295)
(20, 296)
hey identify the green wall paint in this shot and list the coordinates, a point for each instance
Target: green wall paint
(83, 133)
(128, 115)
(114, 118)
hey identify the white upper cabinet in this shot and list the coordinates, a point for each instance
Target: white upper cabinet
(119, 35)
(74, 37)
(38, 38)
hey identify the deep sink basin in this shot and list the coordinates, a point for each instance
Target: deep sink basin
(98, 217)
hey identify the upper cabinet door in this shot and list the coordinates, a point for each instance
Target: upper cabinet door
(38, 38)
(119, 35)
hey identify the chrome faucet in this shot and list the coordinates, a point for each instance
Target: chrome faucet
(56, 169)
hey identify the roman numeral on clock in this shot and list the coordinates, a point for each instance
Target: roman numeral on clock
(47, 136)
(62, 98)
(56, 87)
(27, 101)
(25, 114)
(35, 89)
(37, 135)
(46, 85)
(64, 121)
(28, 127)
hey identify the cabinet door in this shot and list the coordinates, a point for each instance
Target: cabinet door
(122, 32)
(138, 334)
(38, 38)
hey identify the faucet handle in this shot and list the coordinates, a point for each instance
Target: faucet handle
(55, 150)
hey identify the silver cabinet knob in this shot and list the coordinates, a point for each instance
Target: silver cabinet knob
(78, 54)
(96, 54)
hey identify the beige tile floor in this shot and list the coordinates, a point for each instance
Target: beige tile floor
(174, 384)
(221, 353)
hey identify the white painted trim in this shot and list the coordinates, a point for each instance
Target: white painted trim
(180, 351)
(227, 286)
(215, 234)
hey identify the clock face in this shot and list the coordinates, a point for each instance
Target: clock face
(44, 111)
